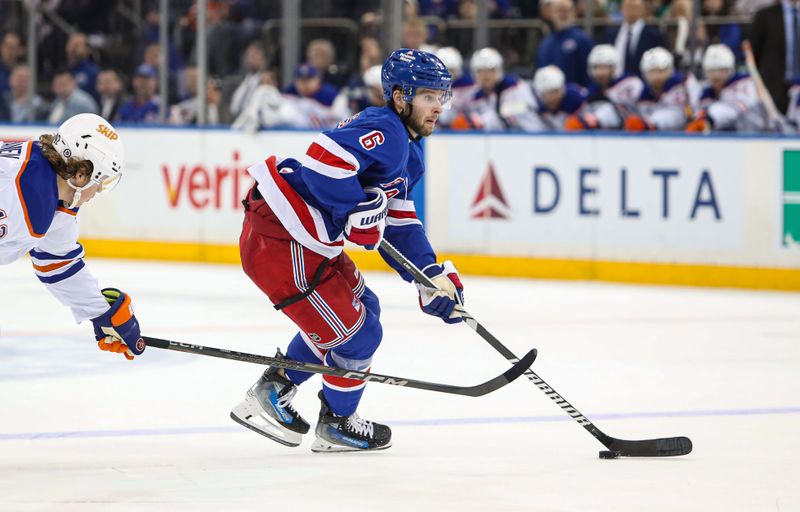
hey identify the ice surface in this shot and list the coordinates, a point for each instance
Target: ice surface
(85, 430)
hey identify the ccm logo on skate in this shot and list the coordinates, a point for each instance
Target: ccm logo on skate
(140, 345)
(374, 378)
(371, 140)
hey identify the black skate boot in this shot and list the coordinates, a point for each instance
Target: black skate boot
(348, 433)
(267, 409)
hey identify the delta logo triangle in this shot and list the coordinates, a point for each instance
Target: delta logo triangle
(490, 203)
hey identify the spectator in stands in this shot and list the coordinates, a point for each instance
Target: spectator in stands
(360, 94)
(9, 57)
(112, 95)
(24, 108)
(82, 68)
(444, 9)
(143, 107)
(308, 84)
(321, 54)
(255, 63)
(775, 37)
(729, 34)
(415, 34)
(152, 54)
(186, 111)
(556, 100)
(633, 37)
(70, 100)
(371, 53)
(501, 101)
(793, 113)
(567, 47)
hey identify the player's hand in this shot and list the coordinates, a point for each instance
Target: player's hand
(117, 330)
(636, 123)
(366, 222)
(450, 294)
(580, 123)
(700, 124)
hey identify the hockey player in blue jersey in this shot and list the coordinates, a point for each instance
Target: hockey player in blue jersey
(354, 182)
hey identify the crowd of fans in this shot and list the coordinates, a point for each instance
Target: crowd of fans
(634, 75)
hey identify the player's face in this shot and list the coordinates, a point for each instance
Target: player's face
(486, 78)
(718, 77)
(602, 74)
(657, 77)
(428, 105)
(81, 180)
(552, 99)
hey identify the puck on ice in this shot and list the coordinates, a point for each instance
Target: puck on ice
(607, 454)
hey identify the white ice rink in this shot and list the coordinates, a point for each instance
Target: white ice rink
(85, 430)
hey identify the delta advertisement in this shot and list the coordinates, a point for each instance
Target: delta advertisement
(715, 201)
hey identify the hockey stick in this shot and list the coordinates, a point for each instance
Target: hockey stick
(494, 384)
(662, 447)
(763, 94)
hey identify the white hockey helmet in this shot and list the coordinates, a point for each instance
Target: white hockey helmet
(452, 58)
(718, 56)
(486, 58)
(657, 58)
(548, 78)
(90, 137)
(372, 76)
(603, 55)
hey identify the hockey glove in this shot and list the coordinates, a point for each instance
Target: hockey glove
(366, 222)
(636, 123)
(450, 293)
(117, 330)
(581, 123)
(701, 123)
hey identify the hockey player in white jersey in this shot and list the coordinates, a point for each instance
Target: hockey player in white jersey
(42, 185)
(611, 97)
(729, 101)
(463, 88)
(501, 101)
(556, 100)
(668, 98)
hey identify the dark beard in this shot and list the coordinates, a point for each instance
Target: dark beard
(415, 124)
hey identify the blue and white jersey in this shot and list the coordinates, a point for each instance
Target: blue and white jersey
(510, 105)
(673, 106)
(33, 221)
(612, 104)
(736, 107)
(573, 102)
(312, 195)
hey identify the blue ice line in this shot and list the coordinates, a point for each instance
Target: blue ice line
(149, 432)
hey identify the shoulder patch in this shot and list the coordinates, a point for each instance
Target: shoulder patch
(371, 140)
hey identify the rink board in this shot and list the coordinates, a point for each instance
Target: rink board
(719, 211)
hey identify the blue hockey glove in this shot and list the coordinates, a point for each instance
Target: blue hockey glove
(117, 330)
(442, 302)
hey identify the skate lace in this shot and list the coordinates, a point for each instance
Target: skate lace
(360, 426)
(285, 400)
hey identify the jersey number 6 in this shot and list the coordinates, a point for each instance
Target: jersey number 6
(371, 140)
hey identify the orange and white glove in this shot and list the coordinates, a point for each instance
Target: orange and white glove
(117, 330)
(700, 124)
(636, 123)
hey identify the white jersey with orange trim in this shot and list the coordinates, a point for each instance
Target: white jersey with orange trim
(32, 220)
(736, 107)
(673, 106)
(510, 105)
(612, 104)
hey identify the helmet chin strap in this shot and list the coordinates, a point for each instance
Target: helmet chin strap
(78, 190)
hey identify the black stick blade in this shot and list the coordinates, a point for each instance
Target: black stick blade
(663, 447)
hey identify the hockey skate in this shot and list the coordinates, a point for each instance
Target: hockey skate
(348, 433)
(267, 409)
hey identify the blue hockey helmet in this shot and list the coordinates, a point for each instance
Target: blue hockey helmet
(412, 69)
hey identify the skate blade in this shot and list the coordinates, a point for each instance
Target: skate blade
(251, 418)
(322, 446)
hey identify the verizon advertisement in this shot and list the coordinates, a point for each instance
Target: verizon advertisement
(665, 200)
(179, 185)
